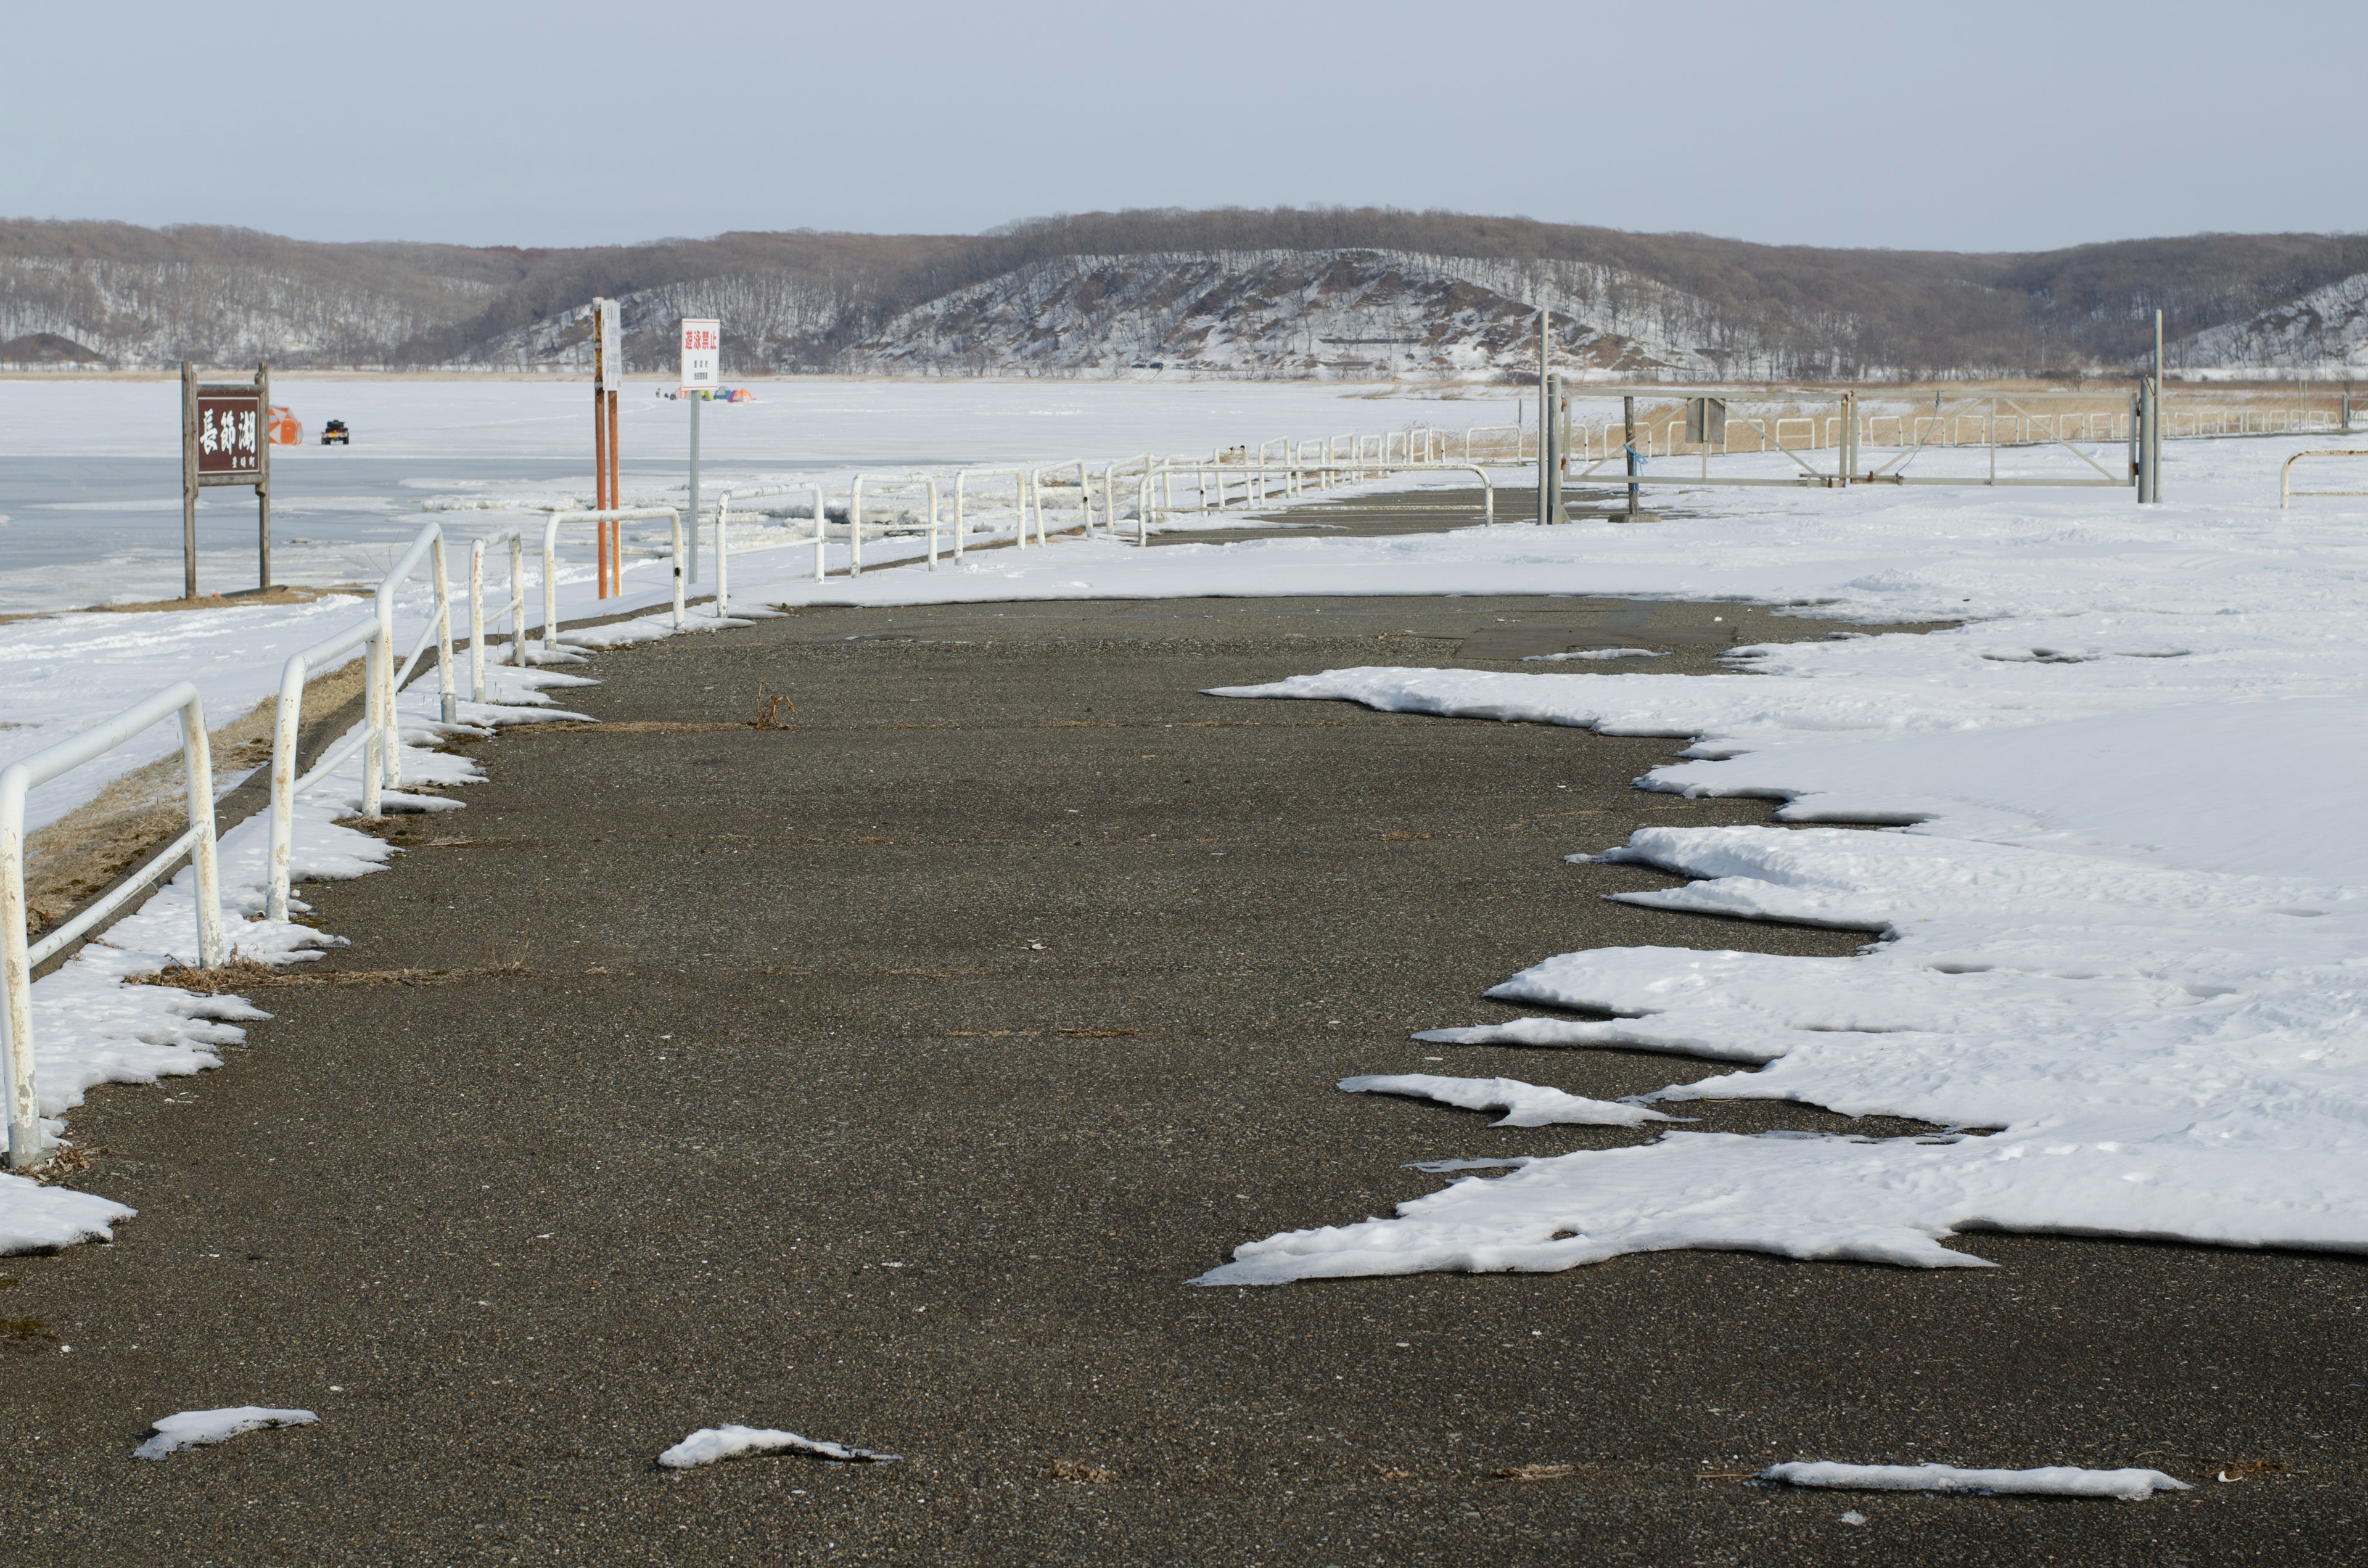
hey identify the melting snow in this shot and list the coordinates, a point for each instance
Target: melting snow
(193, 1428)
(2053, 1481)
(1524, 1104)
(710, 1444)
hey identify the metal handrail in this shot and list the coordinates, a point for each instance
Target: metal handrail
(2285, 474)
(18, 959)
(515, 608)
(610, 515)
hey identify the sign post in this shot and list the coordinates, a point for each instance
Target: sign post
(702, 350)
(608, 379)
(224, 441)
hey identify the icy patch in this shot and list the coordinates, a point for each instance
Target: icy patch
(2048, 1481)
(1524, 1104)
(710, 1444)
(192, 1427)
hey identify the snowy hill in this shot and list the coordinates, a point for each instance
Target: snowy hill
(2326, 326)
(1345, 314)
(1333, 292)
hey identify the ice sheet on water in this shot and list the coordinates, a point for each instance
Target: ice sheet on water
(192, 1427)
(2050, 1481)
(1524, 1104)
(710, 1444)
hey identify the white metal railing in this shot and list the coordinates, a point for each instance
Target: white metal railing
(1018, 478)
(18, 959)
(514, 607)
(927, 481)
(379, 738)
(2286, 492)
(612, 515)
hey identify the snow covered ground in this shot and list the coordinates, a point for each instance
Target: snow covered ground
(2122, 898)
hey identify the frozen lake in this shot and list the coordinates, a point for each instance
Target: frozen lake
(90, 482)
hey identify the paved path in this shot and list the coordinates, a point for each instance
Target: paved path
(883, 1077)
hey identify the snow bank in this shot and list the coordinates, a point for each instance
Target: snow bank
(90, 1027)
(2114, 931)
(1524, 1104)
(710, 1444)
(192, 1427)
(2048, 1481)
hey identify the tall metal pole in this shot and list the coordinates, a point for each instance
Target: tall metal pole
(2153, 492)
(696, 399)
(1554, 512)
(1628, 431)
(263, 474)
(188, 480)
(1545, 424)
(616, 491)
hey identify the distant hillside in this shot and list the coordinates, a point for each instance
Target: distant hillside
(1344, 294)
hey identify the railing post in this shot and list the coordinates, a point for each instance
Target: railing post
(722, 551)
(518, 599)
(477, 621)
(374, 718)
(283, 783)
(17, 976)
(550, 583)
(389, 701)
(197, 751)
(854, 528)
(674, 519)
(448, 702)
(932, 483)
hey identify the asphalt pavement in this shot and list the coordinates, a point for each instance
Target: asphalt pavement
(885, 1074)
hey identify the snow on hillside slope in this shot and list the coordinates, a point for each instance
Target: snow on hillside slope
(1355, 314)
(2327, 325)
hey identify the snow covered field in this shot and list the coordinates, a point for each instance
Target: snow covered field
(90, 472)
(2122, 895)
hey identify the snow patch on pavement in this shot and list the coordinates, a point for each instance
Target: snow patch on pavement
(2048, 1481)
(710, 1444)
(192, 1427)
(1524, 1104)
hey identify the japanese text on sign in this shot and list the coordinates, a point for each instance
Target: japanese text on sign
(228, 434)
(703, 345)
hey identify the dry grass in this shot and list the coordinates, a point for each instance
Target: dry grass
(768, 717)
(244, 974)
(78, 855)
(1537, 1472)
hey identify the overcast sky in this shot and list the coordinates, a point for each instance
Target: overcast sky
(1991, 126)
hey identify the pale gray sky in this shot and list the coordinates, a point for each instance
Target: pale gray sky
(1992, 127)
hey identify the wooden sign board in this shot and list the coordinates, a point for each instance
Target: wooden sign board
(225, 440)
(229, 437)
